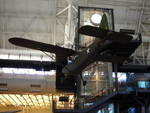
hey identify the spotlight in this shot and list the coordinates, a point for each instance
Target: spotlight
(96, 19)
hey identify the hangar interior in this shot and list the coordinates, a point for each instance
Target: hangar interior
(56, 22)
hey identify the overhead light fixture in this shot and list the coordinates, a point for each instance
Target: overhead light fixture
(34, 100)
(96, 19)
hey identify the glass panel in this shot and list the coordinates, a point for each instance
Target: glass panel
(98, 77)
(92, 16)
(131, 110)
(141, 84)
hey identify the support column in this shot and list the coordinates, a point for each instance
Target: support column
(139, 109)
(117, 107)
(78, 86)
(69, 27)
(146, 109)
(116, 77)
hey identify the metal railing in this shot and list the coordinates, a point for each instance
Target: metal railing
(87, 101)
(103, 95)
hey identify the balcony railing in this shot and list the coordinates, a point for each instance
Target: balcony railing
(87, 101)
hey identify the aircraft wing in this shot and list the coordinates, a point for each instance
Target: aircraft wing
(59, 51)
(117, 52)
(105, 34)
(11, 111)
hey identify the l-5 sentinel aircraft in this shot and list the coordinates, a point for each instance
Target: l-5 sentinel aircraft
(99, 50)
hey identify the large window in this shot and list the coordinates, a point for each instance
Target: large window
(98, 77)
(92, 16)
(99, 74)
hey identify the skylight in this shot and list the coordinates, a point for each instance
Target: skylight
(25, 71)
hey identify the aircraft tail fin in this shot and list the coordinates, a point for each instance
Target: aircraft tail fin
(112, 35)
(104, 22)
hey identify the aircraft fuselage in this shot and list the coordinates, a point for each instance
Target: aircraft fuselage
(83, 59)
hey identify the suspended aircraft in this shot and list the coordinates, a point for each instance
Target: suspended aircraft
(102, 49)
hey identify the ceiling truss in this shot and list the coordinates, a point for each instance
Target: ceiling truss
(55, 21)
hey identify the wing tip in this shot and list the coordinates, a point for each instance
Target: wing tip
(15, 40)
(11, 40)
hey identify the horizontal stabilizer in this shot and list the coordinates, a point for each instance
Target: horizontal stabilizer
(105, 34)
(93, 31)
(41, 46)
